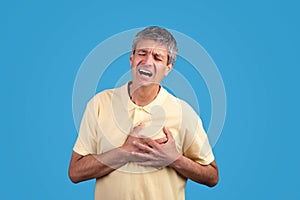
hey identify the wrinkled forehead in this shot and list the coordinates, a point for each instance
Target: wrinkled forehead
(148, 44)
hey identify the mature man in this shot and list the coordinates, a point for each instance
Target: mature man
(139, 141)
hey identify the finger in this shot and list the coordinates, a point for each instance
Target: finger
(142, 147)
(168, 133)
(150, 142)
(140, 157)
(137, 129)
(161, 140)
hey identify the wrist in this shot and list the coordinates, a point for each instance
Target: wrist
(124, 155)
(177, 163)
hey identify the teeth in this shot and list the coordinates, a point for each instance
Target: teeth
(146, 73)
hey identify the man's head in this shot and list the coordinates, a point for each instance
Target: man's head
(153, 55)
(160, 35)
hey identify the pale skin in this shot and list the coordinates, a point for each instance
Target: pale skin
(150, 57)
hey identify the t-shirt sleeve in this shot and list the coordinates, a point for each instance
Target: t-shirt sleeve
(86, 140)
(196, 145)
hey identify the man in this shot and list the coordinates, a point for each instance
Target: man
(139, 141)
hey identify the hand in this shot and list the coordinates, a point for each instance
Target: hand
(157, 155)
(128, 145)
(133, 138)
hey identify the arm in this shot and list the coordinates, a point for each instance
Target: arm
(204, 174)
(162, 155)
(96, 166)
(91, 166)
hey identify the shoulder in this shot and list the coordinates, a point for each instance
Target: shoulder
(107, 95)
(185, 107)
(190, 120)
(104, 95)
(100, 97)
(99, 100)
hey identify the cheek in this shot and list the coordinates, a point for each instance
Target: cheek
(163, 72)
(134, 62)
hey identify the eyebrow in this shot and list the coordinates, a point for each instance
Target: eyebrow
(154, 53)
(141, 50)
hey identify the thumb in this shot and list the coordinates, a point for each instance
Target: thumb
(168, 133)
(137, 129)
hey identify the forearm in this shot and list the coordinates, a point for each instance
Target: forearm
(95, 166)
(204, 174)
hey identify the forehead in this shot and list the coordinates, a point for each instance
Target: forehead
(151, 44)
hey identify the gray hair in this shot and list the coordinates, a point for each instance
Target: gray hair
(160, 35)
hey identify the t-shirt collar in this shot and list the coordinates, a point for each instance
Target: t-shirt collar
(131, 106)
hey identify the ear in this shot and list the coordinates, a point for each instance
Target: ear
(169, 68)
(131, 58)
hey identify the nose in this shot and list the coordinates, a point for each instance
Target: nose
(148, 60)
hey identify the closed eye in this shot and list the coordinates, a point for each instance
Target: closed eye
(158, 57)
(141, 52)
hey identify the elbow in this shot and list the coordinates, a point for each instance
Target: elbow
(214, 175)
(213, 181)
(75, 179)
(209, 181)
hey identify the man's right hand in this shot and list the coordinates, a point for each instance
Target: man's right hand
(133, 138)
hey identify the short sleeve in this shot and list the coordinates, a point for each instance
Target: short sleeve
(86, 140)
(196, 144)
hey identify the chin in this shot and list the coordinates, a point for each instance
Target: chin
(145, 83)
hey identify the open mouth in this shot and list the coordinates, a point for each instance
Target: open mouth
(145, 73)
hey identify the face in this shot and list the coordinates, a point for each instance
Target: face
(149, 63)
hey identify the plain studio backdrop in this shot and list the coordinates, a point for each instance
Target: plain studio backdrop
(255, 46)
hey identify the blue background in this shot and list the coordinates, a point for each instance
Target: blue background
(254, 44)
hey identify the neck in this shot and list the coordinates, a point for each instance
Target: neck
(143, 95)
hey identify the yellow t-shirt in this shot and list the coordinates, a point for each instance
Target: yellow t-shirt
(110, 116)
